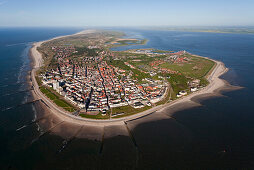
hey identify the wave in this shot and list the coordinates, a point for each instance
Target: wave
(12, 84)
(21, 128)
(8, 108)
(1, 86)
(23, 43)
(25, 64)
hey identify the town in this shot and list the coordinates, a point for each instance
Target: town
(94, 86)
(83, 76)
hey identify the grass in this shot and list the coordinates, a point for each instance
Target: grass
(69, 109)
(98, 116)
(161, 51)
(84, 50)
(128, 110)
(139, 75)
(119, 63)
(136, 73)
(52, 96)
(204, 81)
(177, 82)
(48, 93)
(156, 77)
(196, 68)
(56, 99)
(38, 80)
(44, 90)
(61, 103)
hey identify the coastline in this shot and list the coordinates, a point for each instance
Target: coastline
(37, 57)
(215, 84)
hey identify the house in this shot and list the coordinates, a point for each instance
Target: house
(182, 92)
(193, 89)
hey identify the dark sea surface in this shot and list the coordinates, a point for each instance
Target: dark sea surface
(217, 135)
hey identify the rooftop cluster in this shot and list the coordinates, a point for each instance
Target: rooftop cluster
(94, 86)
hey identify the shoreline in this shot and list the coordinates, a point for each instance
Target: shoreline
(215, 84)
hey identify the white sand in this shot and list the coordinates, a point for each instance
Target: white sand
(37, 57)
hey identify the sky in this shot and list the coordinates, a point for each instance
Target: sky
(79, 13)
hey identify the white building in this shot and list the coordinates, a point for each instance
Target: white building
(193, 89)
(55, 85)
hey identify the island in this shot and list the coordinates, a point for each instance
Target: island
(80, 78)
(211, 29)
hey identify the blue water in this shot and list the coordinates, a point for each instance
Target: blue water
(14, 66)
(225, 123)
(195, 139)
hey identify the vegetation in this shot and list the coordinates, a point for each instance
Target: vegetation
(38, 79)
(204, 82)
(128, 110)
(98, 116)
(192, 67)
(85, 51)
(161, 51)
(197, 67)
(178, 83)
(55, 98)
(119, 63)
(138, 75)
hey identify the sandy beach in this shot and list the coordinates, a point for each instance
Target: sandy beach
(216, 84)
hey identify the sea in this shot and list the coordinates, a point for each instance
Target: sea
(217, 134)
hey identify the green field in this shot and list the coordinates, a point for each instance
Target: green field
(136, 73)
(178, 83)
(38, 80)
(119, 63)
(197, 68)
(55, 98)
(98, 116)
(161, 51)
(128, 110)
(61, 103)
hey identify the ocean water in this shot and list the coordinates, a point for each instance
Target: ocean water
(217, 135)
